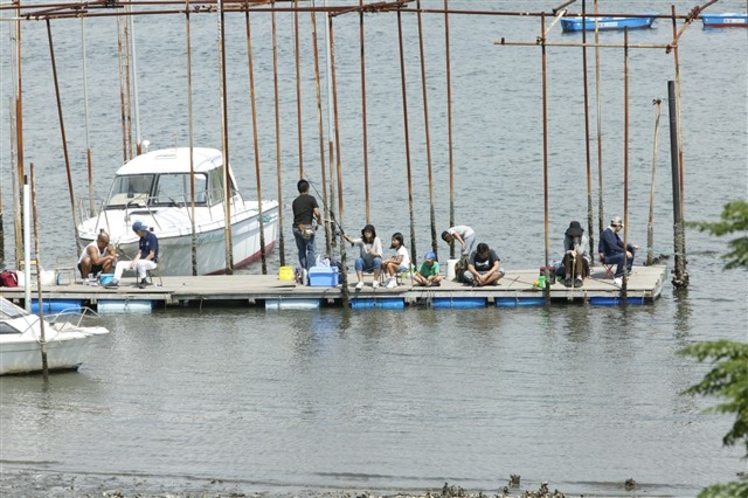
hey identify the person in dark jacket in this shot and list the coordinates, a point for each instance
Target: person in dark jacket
(612, 250)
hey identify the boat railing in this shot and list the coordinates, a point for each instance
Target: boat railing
(77, 311)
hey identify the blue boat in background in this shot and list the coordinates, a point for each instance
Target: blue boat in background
(724, 20)
(571, 24)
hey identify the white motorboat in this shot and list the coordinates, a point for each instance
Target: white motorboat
(154, 188)
(68, 344)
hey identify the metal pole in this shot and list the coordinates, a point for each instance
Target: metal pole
(432, 214)
(363, 113)
(588, 152)
(547, 289)
(26, 245)
(91, 204)
(193, 238)
(321, 126)
(599, 110)
(136, 106)
(43, 339)
(297, 48)
(281, 239)
(680, 279)
(449, 128)
(253, 102)
(625, 161)
(228, 194)
(18, 184)
(78, 244)
(407, 134)
(650, 225)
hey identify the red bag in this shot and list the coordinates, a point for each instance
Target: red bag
(8, 279)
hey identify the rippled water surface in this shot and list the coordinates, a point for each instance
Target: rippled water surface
(583, 397)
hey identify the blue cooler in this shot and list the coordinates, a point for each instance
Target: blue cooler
(323, 276)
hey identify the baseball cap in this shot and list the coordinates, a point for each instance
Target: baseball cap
(616, 220)
(430, 256)
(138, 226)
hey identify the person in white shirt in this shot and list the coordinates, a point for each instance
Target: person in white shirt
(399, 262)
(462, 234)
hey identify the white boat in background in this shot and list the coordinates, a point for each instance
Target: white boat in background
(68, 344)
(154, 188)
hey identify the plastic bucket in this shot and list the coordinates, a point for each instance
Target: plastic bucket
(106, 278)
(286, 273)
(451, 268)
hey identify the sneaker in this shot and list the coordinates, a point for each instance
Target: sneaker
(578, 282)
(391, 284)
(566, 282)
(375, 284)
(112, 285)
(359, 286)
(618, 281)
(435, 284)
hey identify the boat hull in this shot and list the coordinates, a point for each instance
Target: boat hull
(65, 351)
(724, 20)
(175, 243)
(573, 24)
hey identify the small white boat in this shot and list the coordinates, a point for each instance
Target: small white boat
(154, 188)
(20, 341)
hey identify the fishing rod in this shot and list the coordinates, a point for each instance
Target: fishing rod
(327, 208)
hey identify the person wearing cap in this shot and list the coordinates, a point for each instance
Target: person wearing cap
(612, 250)
(370, 258)
(483, 267)
(576, 256)
(428, 274)
(146, 258)
(462, 234)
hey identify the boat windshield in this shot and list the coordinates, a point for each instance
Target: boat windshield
(168, 189)
(131, 190)
(9, 311)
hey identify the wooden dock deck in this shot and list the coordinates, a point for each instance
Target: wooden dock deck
(515, 289)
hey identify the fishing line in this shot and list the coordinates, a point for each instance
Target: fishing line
(324, 204)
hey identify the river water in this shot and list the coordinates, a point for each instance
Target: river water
(244, 400)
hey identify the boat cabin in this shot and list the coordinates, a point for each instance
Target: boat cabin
(162, 178)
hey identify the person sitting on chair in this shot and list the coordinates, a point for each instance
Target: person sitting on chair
(146, 259)
(428, 274)
(398, 263)
(613, 251)
(483, 268)
(97, 257)
(576, 256)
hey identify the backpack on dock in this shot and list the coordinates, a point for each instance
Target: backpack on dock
(8, 278)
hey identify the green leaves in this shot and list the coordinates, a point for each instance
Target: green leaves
(734, 219)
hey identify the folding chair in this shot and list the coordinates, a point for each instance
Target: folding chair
(609, 273)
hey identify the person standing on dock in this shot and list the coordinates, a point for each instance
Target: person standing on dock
(462, 234)
(145, 260)
(612, 250)
(370, 258)
(306, 219)
(97, 257)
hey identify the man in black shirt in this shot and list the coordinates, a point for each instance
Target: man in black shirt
(306, 219)
(484, 267)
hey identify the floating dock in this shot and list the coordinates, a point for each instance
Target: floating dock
(516, 289)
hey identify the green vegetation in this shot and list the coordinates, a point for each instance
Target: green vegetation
(728, 379)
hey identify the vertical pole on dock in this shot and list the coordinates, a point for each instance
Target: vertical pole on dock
(338, 163)
(321, 130)
(624, 287)
(650, 224)
(84, 56)
(588, 153)
(680, 279)
(228, 194)
(193, 232)
(18, 115)
(297, 48)
(333, 136)
(363, 110)
(432, 214)
(544, 60)
(253, 103)
(281, 239)
(78, 244)
(27, 283)
(406, 132)
(676, 61)
(449, 127)
(599, 111)
(26, 245)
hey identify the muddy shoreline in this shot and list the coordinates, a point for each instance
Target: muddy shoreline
(43, 484)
